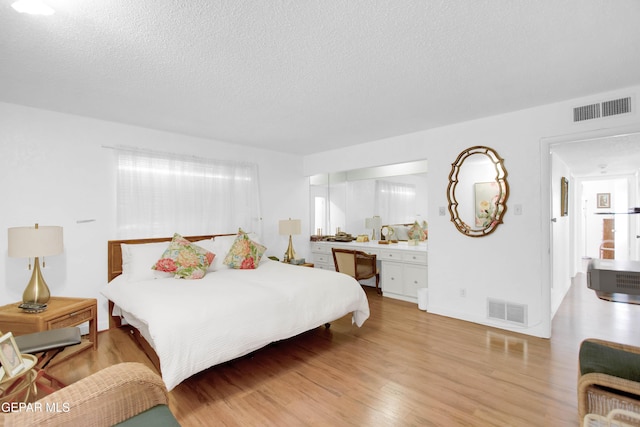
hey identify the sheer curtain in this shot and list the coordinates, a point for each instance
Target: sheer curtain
(395, 202)
(162, 193)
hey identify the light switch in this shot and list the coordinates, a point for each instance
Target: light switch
(517, 209)
(441, 211)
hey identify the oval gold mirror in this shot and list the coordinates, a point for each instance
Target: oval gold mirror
(477, 193)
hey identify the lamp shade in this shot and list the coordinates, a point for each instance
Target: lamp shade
(31, 242)
(368, 223)
(288, 227)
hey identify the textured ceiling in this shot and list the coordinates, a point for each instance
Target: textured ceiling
(602, 157)
(309, 76)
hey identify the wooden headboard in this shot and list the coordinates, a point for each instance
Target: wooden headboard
(114, 250)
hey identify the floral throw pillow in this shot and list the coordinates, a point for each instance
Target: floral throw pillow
(184, 259)
(244, 254)
(416, 232)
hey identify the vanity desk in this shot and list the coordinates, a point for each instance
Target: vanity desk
(403, 268)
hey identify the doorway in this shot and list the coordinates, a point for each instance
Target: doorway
(599, 170)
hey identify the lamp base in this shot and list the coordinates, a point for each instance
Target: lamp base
(290, 254)
(37, 290)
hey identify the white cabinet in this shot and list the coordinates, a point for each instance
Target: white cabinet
(403, 268)
(322, 256)
(415, 277)
(392, 278)
(403, 273)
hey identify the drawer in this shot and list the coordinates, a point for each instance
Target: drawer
(371, 252)
(320, 247)
(323, 258)
(390, 256)
(415, 257)
(72, 319)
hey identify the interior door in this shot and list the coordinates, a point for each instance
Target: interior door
(608, 245)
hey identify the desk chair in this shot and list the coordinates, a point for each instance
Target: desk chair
(357, 264)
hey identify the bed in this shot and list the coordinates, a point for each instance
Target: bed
(187, 326)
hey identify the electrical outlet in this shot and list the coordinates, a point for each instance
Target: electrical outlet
(463, 292)
(441, 211)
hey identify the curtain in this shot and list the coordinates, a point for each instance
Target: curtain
(162, 193)
(395, 202)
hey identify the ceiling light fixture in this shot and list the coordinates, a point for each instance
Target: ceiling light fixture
(32, 7)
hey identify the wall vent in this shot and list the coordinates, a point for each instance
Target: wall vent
(617, 106)
(507, 311)
(602, 109)
(586, 112)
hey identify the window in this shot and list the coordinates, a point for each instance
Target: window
(159, 194)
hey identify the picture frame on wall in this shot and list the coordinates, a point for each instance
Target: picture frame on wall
(564, 196)
(603, 200)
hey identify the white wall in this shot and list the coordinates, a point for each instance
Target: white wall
(55, 171)
(512, 263)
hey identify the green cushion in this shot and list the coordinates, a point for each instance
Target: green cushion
(603, 359)
(158, 416)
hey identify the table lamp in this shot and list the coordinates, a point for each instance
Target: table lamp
(35, 242)
(374, 224)
(290, 227)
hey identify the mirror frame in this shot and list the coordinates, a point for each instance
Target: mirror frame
(501, 179)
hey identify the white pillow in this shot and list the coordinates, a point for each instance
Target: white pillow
(401, 232)
(220, 246)
(137, 260)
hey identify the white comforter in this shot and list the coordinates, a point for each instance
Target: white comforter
(195, 324)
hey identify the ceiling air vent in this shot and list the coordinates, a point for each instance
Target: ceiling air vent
(586, 112)
(602, 109)
(617, 106)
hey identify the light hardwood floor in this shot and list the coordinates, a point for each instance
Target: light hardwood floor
(403, 367)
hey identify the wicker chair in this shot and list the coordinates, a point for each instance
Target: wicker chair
(126, 391)
(603, 390)
(357, 264)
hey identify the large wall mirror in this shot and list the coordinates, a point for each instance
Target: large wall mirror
(477, 191)
(396, 193)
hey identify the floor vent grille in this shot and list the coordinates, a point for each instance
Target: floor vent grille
(602, 109)
(507, 311)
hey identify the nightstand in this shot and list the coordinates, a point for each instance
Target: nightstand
(305, 264)
(61, 312)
